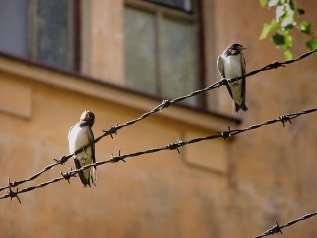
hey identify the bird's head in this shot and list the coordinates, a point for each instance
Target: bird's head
(235, 49)
(87, 118)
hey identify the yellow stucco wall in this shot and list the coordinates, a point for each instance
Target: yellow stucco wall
(147, 194)
(272, 169)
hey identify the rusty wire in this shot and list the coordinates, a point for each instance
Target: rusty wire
(276, 228)
(165, 103)
(173, 146)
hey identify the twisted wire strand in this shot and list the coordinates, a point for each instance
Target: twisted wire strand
(173, 146)
(276, 228)
(165, 103)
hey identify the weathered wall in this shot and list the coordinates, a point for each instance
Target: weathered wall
(158, 196)
(272, 169)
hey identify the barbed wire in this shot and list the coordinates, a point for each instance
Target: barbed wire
(173, 146)
(165, 103)
(276, 228)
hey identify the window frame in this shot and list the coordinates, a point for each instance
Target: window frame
(173, 6)
(161, 10)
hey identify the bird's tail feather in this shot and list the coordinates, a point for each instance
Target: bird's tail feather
(83, 179)
(242, 107)
(82, 174)
(93, 175)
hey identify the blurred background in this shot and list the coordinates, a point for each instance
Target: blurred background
(121, 58)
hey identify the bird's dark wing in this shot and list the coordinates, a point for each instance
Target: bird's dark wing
(93, 169)
(243, 94)
(91, 138)
(221, 70)
(84, 181)
(220, 66)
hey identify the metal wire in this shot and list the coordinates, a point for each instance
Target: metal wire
(276, 228)
(173, 146)
(165, 103)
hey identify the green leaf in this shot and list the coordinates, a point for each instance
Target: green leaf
(278, 39)
(288, 54)
(287, 19)
(264, 3)
(288, 28)
(288, 41)
(288, 22)
(311, 44)
(292, 5)
(273, 3)
(305, 27)
(267, 28)
(280, 12)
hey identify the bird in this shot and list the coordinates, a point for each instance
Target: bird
(231, 64)
(79, 135)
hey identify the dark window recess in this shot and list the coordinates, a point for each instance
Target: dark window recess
(54, 26)
(140, 52)
(13, 27)
(41, 30)
(178, 59)
(185, 5)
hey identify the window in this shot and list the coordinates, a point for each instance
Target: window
(162, 47)
(41, 30)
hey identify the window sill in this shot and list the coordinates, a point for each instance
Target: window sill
(30, 70)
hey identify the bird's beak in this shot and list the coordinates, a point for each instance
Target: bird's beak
(244, 48)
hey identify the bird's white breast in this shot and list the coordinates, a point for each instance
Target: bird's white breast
(233, 69)
(232, 66)
(78, 137)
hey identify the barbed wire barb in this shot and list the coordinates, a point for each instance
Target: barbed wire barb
(13, 194)
(276, 228)
(171, 146)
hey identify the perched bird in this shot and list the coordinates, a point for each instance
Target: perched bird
(231, 64)
(80, 135)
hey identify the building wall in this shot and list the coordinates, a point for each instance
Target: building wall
(219, 188)
(272, 169)
(158, 195)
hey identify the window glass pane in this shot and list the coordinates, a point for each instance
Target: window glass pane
(140, 61)
(13, 27)
(54, 31)
(179, 58)
(182, 4)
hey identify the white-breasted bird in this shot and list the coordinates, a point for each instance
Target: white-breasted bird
(80, 135)
(231, 64)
